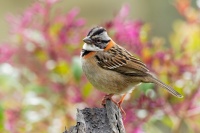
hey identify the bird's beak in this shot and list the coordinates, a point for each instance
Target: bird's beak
(87, 40)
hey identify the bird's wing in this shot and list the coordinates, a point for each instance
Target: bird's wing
(120, 60)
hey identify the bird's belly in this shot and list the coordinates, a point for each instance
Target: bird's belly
(107, 81)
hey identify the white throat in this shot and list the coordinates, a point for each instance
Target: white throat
(91, 47)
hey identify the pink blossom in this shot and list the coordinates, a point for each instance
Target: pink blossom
(27, 19)
(71, 16)
(6, 52)
(69, 21)
(57, 87)
(51, 1)
(126, 31)
(137, 130)
(124, 12)
(80, 22)
(74, 94)
(12, 116)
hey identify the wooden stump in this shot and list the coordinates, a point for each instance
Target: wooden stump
(99, 120)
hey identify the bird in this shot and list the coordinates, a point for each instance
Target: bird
(112, 69)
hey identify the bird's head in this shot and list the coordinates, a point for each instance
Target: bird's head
(96, 40)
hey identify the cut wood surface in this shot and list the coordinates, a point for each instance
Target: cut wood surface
(99, 120)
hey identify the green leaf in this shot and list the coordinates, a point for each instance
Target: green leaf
(145, 86)
(87, 89)
(184, 127)
(76, 68)
(36, 88)
(162, 127)
(41, 55)
(167, 121)
(62, 68)
(1, 118)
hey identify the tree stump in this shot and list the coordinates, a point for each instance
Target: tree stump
(99, 120)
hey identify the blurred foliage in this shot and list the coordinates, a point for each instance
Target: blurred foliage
(42, 83)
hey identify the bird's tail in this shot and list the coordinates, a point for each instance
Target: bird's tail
(163, 85)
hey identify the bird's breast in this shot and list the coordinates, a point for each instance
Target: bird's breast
(106, 80)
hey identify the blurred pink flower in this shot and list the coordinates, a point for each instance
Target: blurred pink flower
(160, 55)
(130, 114)
(27, 19)
(6, 52)
(51, 1)
(57, 87)
(137, 130)
(124, 12)
(70, 22)
(69, 19)
(144, 102)
(127, 31)
(12, 116)
(73, 94)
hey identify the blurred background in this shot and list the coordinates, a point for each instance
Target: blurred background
(41, 79)
(160, 14)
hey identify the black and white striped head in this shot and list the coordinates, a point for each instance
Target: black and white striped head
(96, 40)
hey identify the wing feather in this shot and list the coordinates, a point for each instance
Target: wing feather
(120, 60)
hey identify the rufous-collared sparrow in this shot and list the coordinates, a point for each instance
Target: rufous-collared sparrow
(112, 69)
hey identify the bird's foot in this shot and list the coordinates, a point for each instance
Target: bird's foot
(109, 96)
(120, 107)
(106, 97)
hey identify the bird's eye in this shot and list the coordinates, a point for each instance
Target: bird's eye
(98, 40)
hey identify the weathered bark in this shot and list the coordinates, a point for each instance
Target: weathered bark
(99, 120)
